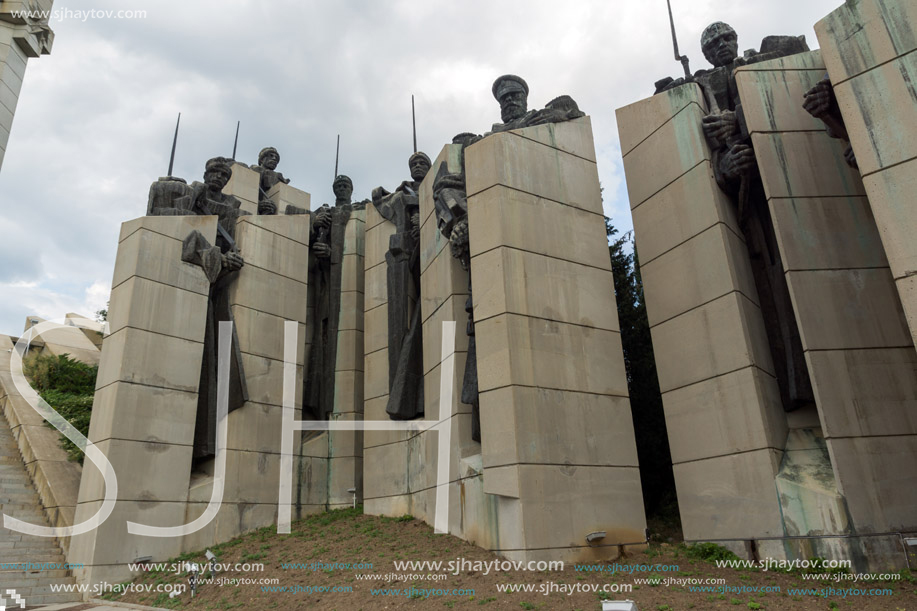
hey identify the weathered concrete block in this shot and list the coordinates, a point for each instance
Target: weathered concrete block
(376, 287)
(708, 266)
(549, 172)
(638, 121)
(443, 279)
(574, 137)
(655, 163)
(731, 413)
(865, 392)
(150, 253)
(451, 310)
(865, 312)
(726, 335)
(159, 308)
(556, 427)
(856, 37)
(263, 246)
(284, 195)
(142, 357)
(244, 184)
(519, 350)
(142, 413)
(265, 291)
(804, 164)
(665, 220)
(139, 467)
(375, 383)
(539, 286)
(877, 477)
(889, 197)
(262, 334)
(827, 233)
(506, 217)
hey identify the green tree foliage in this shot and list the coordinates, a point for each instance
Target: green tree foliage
(68, 386)
(642, 382)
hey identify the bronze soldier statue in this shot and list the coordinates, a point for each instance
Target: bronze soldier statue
(221, 262)
(325, 267)
(405, 339)
(736, 172)
(268, 159)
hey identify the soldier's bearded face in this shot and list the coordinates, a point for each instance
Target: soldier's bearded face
(513, 105)
(271, 160)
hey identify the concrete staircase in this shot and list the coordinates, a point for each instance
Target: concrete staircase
(19, 500)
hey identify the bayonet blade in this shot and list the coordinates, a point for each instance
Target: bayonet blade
(174, 143)
(337, 156)
(678, 57)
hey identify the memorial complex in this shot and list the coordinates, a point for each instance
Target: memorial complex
(450, 349)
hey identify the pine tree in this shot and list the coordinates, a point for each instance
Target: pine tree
(643, 385)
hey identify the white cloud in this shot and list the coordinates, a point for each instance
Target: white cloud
(95, 118)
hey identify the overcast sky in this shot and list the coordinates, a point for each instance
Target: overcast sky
(95, 119)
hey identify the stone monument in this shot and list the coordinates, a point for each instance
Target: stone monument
(749, 222)
(516, 214)
(178, 272)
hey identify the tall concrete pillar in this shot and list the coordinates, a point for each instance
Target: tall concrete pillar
(869, 48)
(722, 406)
(21, 37)
(854, 333)
(555, 415)
(146, 396)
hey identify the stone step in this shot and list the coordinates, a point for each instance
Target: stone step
(14, 536)
(20, 483)
(48, 543)
(19, 555)
(19, 497)
(16, 489)
(20, 585)
(18, 510)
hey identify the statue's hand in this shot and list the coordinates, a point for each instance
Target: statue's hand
(718, 127)
(321, 250)
(267, 207)
(415, 226)
(459, 238)
(321, 218)
(818, 99)
(233, 260)
(738, 161)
